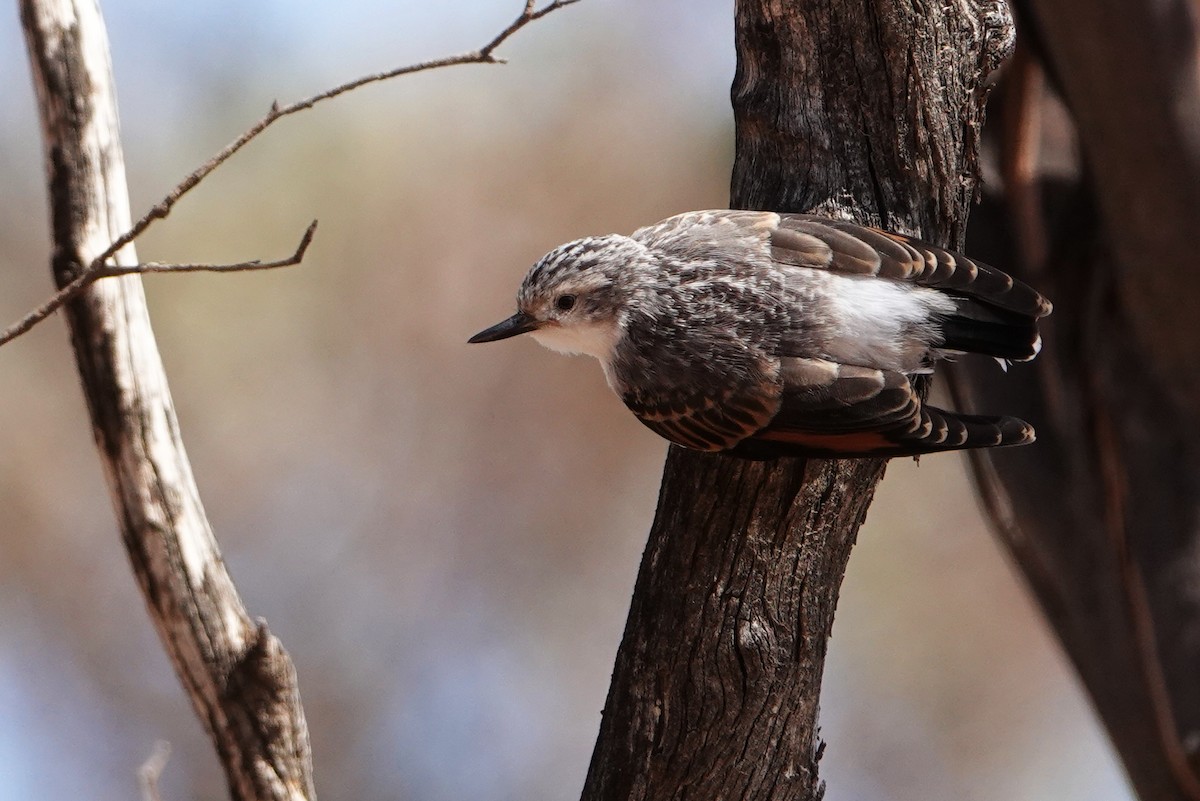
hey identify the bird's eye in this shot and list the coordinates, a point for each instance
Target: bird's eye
(565, 302)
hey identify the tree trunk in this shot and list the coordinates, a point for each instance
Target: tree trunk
(869, 111)
(1103, 516)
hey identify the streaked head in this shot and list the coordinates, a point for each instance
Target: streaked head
(573, 299)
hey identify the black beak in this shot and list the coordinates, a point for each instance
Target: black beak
(519, 323)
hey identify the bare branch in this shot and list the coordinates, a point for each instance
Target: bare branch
(100, 268)
(483, 55)
(239, 678)
(89, 277)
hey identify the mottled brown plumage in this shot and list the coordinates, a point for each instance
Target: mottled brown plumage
(780, 334)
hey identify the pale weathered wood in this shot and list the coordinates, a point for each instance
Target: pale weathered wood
(239, 678)
(865, 110)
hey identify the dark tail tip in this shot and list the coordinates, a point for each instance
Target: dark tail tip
(992, 332)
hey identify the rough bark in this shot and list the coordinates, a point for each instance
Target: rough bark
(865, 110)
(239, 678)
(1103, 516)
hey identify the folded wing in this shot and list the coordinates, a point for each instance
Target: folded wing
(810, 241)
(830, 409)
(706, 422)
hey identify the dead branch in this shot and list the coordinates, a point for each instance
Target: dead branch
(99, 267)
(484, 55)
(151, 770)
(238, 677)
(94, 274)
(240, 680)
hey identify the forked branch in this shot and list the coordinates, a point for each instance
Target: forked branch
(100, 267)
(484, 55)
(99, 271)
(238, 676)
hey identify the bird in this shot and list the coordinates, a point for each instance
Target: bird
(764, 334)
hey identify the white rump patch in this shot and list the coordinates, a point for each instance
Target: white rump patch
(882, 323)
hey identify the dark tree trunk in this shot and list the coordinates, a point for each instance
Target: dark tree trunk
(865, 110)
(1103, 516)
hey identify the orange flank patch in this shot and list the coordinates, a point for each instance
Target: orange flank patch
(859, 442)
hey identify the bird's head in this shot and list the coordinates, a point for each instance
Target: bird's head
(573, 300)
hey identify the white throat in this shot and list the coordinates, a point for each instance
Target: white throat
(592, 338)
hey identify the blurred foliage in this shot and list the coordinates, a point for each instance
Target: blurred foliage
(445, 537)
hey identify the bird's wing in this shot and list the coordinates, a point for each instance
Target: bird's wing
(807, 240)
(818, 408)
(830, 409)
(713, 421)
(697, 366)
(716, 233)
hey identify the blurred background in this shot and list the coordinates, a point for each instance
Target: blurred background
(445, 537)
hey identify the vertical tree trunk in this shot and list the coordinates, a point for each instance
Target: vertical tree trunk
(864, 110)
(237, 675)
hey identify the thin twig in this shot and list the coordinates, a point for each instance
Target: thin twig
(99, 266)
(90, 276)
(151, 770)
(483, 55)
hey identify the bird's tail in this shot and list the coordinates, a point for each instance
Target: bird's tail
(932, 430)
(950, 431)
(976, 327)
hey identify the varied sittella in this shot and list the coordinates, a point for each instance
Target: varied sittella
(770, 334)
